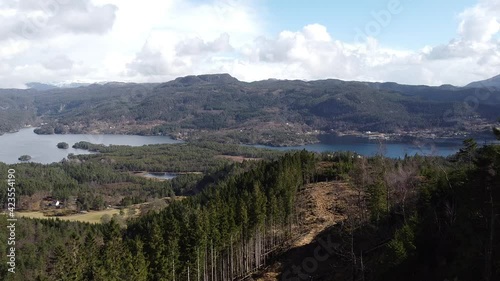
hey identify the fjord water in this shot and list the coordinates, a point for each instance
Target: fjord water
(392, 149)
(43, 148)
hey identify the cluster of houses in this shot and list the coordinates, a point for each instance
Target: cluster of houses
(51, 202)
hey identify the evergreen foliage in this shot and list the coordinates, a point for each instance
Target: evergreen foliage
(417, 218)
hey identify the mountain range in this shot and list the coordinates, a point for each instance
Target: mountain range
(281, 112)
(492, 82)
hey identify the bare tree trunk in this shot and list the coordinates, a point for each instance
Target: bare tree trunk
(205, 272)
(353, 256)
(212, 260)
(232, 259)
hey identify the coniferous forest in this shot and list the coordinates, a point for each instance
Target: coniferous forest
(416, 218)
(226, 231)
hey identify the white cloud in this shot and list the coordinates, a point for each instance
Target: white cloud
(475, 52)
(91, 20)
(197, 46)
(58, 62)
(481, 22)
(151, 62)
(312, 53)
(36, 20)
(11, 48)
(127, 40)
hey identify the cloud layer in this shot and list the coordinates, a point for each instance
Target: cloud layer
(124, 40)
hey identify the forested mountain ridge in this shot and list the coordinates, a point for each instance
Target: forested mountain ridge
(492, 82)
(16, 109)
(219, 107)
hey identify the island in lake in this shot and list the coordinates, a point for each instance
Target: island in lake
(63, 145)
(24, 158)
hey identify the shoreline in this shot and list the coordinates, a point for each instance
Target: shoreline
(320, 138)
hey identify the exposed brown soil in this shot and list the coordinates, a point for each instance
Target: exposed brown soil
(320, 206)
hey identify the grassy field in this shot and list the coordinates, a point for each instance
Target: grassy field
(95, 216)
(90, 217)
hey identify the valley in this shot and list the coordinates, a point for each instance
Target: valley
(273, 112)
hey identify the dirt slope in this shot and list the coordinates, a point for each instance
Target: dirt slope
(320, 206)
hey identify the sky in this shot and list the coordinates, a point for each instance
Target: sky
(405, 41)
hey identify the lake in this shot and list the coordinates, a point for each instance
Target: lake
(43, 148)
(161, 176)
(392, 149)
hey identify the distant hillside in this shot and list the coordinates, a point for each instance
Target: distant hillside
(40, 86)
(492, 82)
(43, 87)
(16, 109)
(281, 112)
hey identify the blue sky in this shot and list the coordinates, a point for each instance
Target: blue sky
(411, 42)
(420, 23)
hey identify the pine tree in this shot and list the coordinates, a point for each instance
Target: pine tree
(112, 252)
(59, 263)
(135, 264)
(157, 254)
(90, 256)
